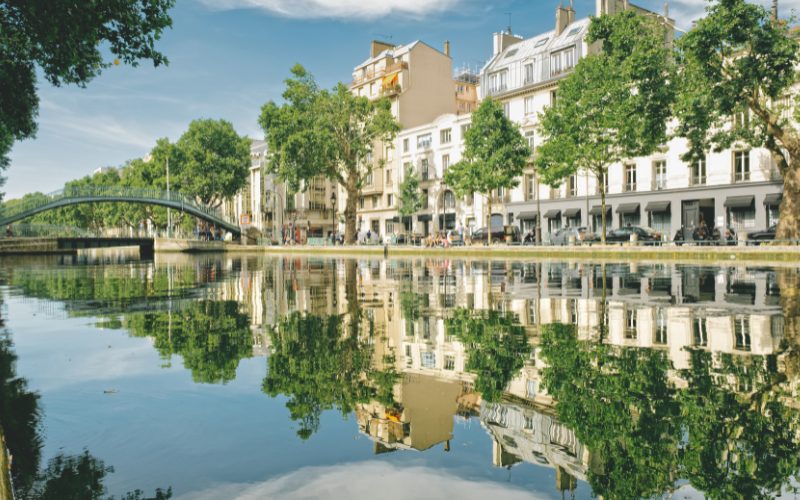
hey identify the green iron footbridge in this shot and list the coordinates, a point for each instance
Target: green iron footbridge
(108, 194)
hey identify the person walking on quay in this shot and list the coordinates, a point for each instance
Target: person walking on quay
(461, 231)
(9, 233)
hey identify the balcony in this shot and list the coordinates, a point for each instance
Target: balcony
(388, 70)
(629, 187)
(497, 89)
(556, 194)
(659, 184)
(429, 175)
(391, 90)
(504, 198)
(698, 180)
(741, 177)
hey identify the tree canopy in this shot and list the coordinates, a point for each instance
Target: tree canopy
(66, 40)
(614, 105)
(495, 154)
(326, 133)
(739, 67)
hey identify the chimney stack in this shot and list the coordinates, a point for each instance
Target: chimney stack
(562, 18)
(666, 13)
(446, 48)
(571, 12)
(775, 10)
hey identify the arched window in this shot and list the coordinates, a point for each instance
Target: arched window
(448, 200)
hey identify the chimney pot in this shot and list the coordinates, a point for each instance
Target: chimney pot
(666, 12)
(775, 10)
(446, 48)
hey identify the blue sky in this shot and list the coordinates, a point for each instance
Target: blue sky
(229, 57)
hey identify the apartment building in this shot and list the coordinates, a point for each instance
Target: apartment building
(418, 80)
(739, 188)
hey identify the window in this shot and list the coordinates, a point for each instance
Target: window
(424, 198)
(574, 31)
(660, 175)
(507, 110)
(700, 332)
(449, 363)
(503, 76)
(528, 72)
(541, 42)
(389, 200)
(529, 107)
(460, 89)
(424, 168)
(424, 141)
(699, 172)
(529, 136)
(773, 214)
(389, 227)
(464, 129)
(630, 177)
(742, 118)
(389, 177)
(445, 163)
(742, 218)
(511, 53)
(445, 136)
(629, 219)
(448, 200)
(510, 219)
(428, 360)
(631, 324)
(361, 203)
(573, 186)
(660, 221)
(368, 179)
(555, 64)
(660, 330)
(741, 333)
(405, 145)
(369, 158)
(493, 83)
(553, 98)
(569, 59)
(531, 183)
(389, 153)
(372, 89)
(376, 202)
(741, 166)
(462, 106)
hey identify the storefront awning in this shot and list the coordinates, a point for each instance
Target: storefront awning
(406, 218)
(448, 217)
(657, 206)
(425, 218)
(553, 214)
(572, 213)
(628, 208)
(739, 201)
(527, 215)
(598, 210)
(395, 219)
(773, 200)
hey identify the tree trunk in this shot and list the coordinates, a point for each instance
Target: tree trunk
(789, 223)
(351, 289)
(489, 225)
(350, 210)
(789, 284)
(602, 179)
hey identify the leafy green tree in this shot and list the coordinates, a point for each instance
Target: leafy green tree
(211, 337)
(495, 154)
(739, 68)
(410, 196)
(320, 363)
(614, 105)
(497, 348)
(326, 133)
(71, 53)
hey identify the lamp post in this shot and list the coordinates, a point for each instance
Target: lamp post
(333, 215)
(538, 209)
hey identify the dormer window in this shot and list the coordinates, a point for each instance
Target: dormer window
(574, 32)
(562, 61)
(511, 53)
(529, 72)
(541, 42)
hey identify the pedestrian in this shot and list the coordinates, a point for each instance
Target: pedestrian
(369, 235)
(9, 234)
(461, 231)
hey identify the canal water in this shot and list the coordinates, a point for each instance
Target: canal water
(250, 377)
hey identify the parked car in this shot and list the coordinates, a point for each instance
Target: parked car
(508, 234)
(623, 234)
(758, 237)
(581, 234)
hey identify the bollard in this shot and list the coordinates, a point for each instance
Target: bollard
(572, 241)
(634, 240)
(742, 237)
(385, 251)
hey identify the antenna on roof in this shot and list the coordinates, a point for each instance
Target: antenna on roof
(509, 21)
(385, 37)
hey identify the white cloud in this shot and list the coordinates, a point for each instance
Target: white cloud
(366, 480)
(340, 9)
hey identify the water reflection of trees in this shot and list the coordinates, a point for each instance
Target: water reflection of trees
(211, 337)
(496, 346)
(66, 477)
(719, 424)
(326, 362)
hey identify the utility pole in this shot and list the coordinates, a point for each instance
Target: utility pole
(169, 214)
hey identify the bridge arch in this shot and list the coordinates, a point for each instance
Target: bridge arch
(110, 194)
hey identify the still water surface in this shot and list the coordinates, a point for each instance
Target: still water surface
(249, 377)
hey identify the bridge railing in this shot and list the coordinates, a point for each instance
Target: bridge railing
(114, 193)
(46, 231)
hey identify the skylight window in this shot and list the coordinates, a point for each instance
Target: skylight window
(511, 53)
(574, 32)
(541, 42)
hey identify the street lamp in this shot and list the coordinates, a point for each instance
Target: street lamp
(538, 209)
(333, 215)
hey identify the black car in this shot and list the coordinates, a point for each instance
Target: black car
(623, 234)
(760, 236)
(702, 235)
